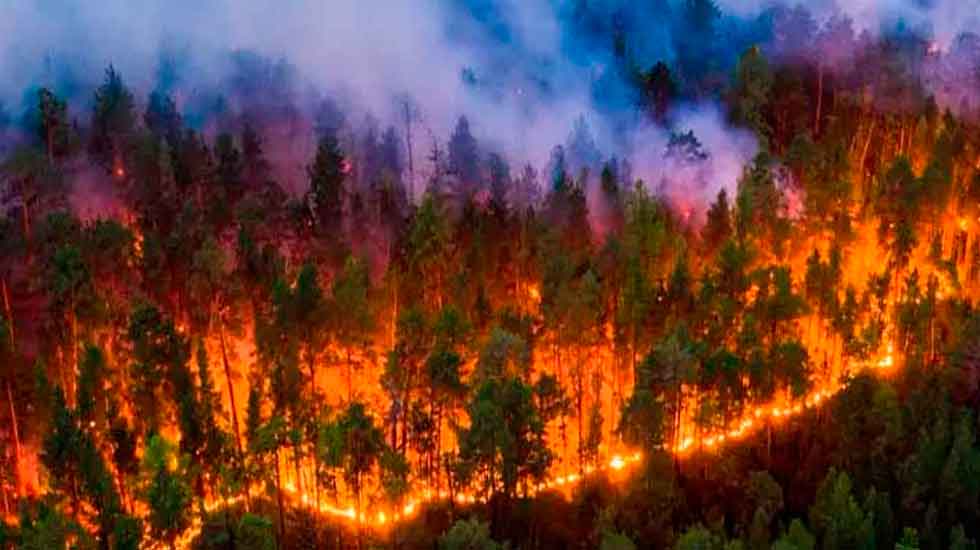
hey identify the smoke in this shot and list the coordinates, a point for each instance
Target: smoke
(522, 71)
(368, 53)
(91, 199)
(701, 157)
(939, 20)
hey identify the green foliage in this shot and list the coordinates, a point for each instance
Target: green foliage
(502, 321)
(504, 446)
(360, 445)
(718, 225)
(468, 535)
(44, 528)
(753, 84)
(767, 496)
(760, 207)
(256, 533)
(959, 541)
(464, 159)
(642, 420)
(165, 489)
(796, 537)
(616, 541)
(70, 453)
(395, 474)
(909, 540)
(160, 355)
(113, 120)
(699, 538)
(505, 355)
(53, 126)
(836, 517)
(327, 174)
(354, 321)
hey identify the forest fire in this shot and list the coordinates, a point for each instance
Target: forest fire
(660, 296)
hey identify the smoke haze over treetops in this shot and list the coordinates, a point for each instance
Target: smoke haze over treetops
(523, 72)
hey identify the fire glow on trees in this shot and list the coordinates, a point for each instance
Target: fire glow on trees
(544, 300)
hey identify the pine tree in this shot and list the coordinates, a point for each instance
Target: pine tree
(753, 84)
(353, 322)
(327, 174)
(718, 226)
(165, 490)
(113, 122)
(163, 119)
(464, 157)
(255, 167)
(54, 127)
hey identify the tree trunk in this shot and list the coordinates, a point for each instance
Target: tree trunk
(16, 432)
(49, 140)
(678, 413)
(10, 395)
(296, 466)
(864, 151)
(579, 390)
(408, 144)
(231, 388)
(26, 219)
(311, 364)
(74, 345)
(436, 411)
(769, 442)
(394, 314)
(228, 527)
(350, 377)
(564, 414)
(816, 119)
(9, 314)
(357, 503)
(282, 517)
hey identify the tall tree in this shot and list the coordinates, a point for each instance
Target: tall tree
(464, 157)
(160, 364)
(113, 122)
(362, 445)
(163, 119)
(659, 90)
(718, 226)
(166, 491)
(753, 84)
(327, 174)
(504, 447)
(353, 321)
(54, 126)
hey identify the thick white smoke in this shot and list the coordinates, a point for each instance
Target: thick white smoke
(366, 52)
(522, 91)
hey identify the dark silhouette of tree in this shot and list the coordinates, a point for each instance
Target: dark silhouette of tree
(327, 174)
(464, 157)
(54, 128)
(113, 122)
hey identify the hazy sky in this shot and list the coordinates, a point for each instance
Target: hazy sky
(529, 77)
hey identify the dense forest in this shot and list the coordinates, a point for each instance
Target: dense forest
(214, 338)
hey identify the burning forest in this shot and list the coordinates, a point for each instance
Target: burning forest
(488, 274)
